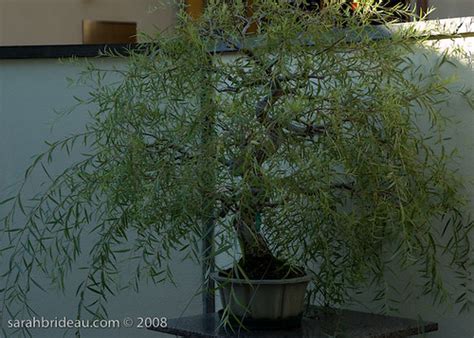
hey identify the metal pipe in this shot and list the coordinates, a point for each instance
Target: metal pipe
(208, 267)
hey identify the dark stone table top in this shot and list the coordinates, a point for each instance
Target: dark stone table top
(316, 324)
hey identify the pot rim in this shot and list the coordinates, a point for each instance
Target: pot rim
(215, 276)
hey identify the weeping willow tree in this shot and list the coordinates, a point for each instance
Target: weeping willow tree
(318, 143)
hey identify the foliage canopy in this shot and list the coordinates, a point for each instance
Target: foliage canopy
(320, 139)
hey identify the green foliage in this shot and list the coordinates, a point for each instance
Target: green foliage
(321, 128)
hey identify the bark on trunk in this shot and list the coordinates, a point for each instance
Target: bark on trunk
(252, 243)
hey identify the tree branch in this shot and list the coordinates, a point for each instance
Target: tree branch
(309, 130)
(344, 186)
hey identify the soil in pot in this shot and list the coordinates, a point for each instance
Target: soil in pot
(263, 267)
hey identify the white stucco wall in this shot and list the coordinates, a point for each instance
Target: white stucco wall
(452, 324)
(30, 90)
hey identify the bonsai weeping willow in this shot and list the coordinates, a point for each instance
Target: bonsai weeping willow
(317, 145)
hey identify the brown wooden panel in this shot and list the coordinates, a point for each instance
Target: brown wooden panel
(195, 8)
(99, 32)
(422, 6)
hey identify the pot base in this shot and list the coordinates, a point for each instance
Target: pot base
(264, 324)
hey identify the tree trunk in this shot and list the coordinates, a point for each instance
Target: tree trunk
(252, 242)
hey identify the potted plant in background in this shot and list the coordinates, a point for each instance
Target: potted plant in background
(303, 156)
